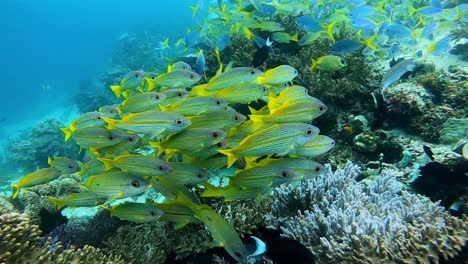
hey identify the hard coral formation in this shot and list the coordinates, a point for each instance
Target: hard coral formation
(343, 221)
(20, 242)
(44, 140)
(453, 130)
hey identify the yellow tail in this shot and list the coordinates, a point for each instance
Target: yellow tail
(313, 65)
(211, 191)
(232, 157)
(117, 90)
(329, 29)
(58, 202)
(107, 163)
(295, 37)
(111, 123)
(67, 132)
(158, 146)
(258, 121)
(16, 185)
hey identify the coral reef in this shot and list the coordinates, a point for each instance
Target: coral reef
(20, 242)
(343, 221)
(453, 130)
(44, 140)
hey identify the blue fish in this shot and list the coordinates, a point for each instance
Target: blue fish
(309, 24)
(200, 63)
(345, 46)
(440, 46)
(363, 23)
(222, 42)
(429, 29)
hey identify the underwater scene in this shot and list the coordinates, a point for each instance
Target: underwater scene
(234, 131)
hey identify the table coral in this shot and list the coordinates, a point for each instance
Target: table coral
(343, 221)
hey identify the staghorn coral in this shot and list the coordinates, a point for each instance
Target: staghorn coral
(20, 242)
(342, 221)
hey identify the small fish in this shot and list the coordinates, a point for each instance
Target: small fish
(346, 46)
(95, 137)
(309, 38)
(200, 63)
(171, 190)
(110, 110)
(180, 65)
(177, 79)
(151, 123)
(136, 212)
(190, 140)
(303, 168)
(128, 143)
(222, 232)
(270, 26)
(278, 75)
(64, 165)
(236, 193)
(184, 173)
(196, 105)
(311, 24)
(242, 93)
(290, 113)
(395, 73)
(138, 164)
(116, 185)
(89, 119)
(461, 148)
(262, 53)
(428, 152)
(278, 139)
(228, 78)
(82, 199)
(177, 212)
(329, 63)
(257, 177)
(142, 102)
(131, 81)
(222, 119)
(319, 145)
(40, 176)
(174, 95)
(439, 47)
(92, 167)
(283, 37)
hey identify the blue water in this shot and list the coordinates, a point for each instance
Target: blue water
(59, 43)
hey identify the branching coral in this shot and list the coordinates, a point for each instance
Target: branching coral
(20, 242)
(342, 221)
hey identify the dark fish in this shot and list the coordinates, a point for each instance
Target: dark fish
(261, 55)
(428, 152)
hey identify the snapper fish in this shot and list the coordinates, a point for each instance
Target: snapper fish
(40, 176)
(395, 73)
(136, 212)
(131, 81)
(81, 199)
(63, 164)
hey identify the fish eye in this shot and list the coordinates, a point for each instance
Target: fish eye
(342, 61)
(153, 77)
(236, 118)
(321, 108)
(111, 137)
(152, 213)
(215, 135)
(178, 122)
(333, 143)
(309, 131)
(317, 169)
(219, 145)
(199, 175)
(264, 90)
(156, 97)
(161, 168)
(136, 75)
(70, 166)
(295, 71)
(179, 94)
(130, 139)
(135, 184)
(238, 254)
(191, 76)
(218, 102)
(284, 174)
(252, 72)
(98, 117)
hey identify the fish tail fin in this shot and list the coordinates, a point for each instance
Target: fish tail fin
(412, 10)
(295, 37)
(258, 121)
(194, 10)
(158, 146)
(164, 108)
(261, 79)
(211, 191)
(248, 34)
(151, 82)
(329, 29)
(218, 57)
(200, 90)
(313, 65)
(166, 42)
(67, 131)
(370, 41)
(16, 185)
(232, 157)
(110, 122)
(58, 202)
(107, 163)
(49, 161)
(117, 90)
(381, 7)
(126, 94)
